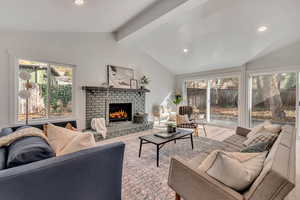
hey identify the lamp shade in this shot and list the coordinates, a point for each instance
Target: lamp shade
(25, 76)
(24, 94)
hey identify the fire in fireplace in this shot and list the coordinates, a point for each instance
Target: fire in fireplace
(120, 112)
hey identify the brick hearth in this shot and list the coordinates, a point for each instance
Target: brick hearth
(97, 106)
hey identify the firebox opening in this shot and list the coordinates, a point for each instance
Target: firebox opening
(120, 112)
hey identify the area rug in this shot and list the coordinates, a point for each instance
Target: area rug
(142, 180)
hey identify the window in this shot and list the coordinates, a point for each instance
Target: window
(52, 96)
(196, 95)
(224, 95)
(273, 98)
(217, 99)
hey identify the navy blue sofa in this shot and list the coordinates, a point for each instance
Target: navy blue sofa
(91, 174)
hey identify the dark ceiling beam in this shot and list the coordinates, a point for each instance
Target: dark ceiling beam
(153, 16)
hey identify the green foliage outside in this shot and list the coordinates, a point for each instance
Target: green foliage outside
(61, 93)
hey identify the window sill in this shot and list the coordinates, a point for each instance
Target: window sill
(41, 121)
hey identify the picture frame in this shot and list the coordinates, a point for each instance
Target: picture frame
(119, 77)
(133, 84)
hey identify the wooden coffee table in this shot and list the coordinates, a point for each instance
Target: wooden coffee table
(160, 142)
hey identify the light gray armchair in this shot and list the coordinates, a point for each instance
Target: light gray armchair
(275, 181)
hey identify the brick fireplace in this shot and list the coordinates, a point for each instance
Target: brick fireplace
(102, 102)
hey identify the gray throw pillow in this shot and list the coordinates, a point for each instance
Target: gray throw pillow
(27, 150)
(259, 147)
(5, 132)
(3, 155)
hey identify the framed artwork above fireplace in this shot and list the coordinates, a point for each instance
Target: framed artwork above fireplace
(119, 77)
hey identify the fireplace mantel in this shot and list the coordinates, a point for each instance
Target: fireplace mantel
(99, 88)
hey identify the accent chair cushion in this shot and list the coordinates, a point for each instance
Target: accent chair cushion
(65, 141)
(27, 150)
(3, 156)
(236, 170)
(182, 119)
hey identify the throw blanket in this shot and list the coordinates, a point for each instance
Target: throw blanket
(27, 132)
(98, 124)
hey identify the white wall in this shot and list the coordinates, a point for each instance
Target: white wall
(285, 57)
(90, 52)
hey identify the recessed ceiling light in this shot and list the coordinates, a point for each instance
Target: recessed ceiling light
(185, 50)
(262, 29)
(79, 2)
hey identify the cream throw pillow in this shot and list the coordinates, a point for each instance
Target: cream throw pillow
(236, 170)
(65, 141)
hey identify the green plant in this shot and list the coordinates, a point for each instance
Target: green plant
(177, 99)
(145, 80)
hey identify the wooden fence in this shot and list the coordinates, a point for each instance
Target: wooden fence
(229, 97)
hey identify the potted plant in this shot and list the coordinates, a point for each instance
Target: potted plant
(171, 127)
(144, 81)
(177, 99)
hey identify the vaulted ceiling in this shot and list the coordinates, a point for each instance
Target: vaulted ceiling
(218, 34)
(65, 16)
(183, 35)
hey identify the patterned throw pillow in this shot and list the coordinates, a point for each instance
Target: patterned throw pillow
(262, 136)
(258, 129)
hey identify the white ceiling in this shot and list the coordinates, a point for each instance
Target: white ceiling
(222, 34)
(217, 33)
(64, 16)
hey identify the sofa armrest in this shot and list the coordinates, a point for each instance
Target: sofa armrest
(242, 131)
(93, 174)
(193, 184)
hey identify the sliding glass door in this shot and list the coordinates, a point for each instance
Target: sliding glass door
(197, 97)
(224, 99)
(273, 97)
(215, 99)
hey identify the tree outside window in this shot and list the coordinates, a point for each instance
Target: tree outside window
(52, 96)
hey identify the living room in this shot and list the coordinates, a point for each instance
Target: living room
(149, 99)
